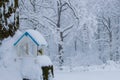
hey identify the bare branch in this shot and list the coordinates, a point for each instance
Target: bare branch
(74, 12)
(105, 26)
(105, 22)
(50, 20)
(23, 6)
(64, 9)
(79, 39)
(63, 5)
(66, 34)
(72, 8)
(60, 3)
(108, 24)
(32, 3)
(68, 28)
(105, 19)
(46, 7)
(52, 24)
(42, 25)
(33, 21)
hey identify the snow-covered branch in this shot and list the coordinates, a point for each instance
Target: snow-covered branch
(66, 34)
(50, 20)
(67, 28)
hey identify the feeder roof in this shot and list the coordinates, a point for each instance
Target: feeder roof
(35, 36)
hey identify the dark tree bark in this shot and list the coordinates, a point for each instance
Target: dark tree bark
(9, 18)
(60, 46)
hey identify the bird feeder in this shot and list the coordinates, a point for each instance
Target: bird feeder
(29, 43)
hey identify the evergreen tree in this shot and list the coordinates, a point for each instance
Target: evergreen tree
(9, 18)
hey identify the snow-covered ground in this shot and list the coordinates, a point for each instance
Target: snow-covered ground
(92, 75)
(9, 74)
(109, 71)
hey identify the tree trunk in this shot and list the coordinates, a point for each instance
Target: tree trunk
(110, 43)
(60, 51)
(60, 43)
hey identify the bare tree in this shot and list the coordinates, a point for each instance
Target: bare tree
(62, 7)
(107, 23)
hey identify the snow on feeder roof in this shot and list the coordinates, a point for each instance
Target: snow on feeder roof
(35, 36)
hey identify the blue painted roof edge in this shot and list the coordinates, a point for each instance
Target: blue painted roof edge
(19, 39)
(33, 39)
(26, 34)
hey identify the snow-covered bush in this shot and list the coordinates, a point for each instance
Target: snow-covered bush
(21, 67)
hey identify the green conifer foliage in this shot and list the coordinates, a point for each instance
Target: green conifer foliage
(9, 18)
